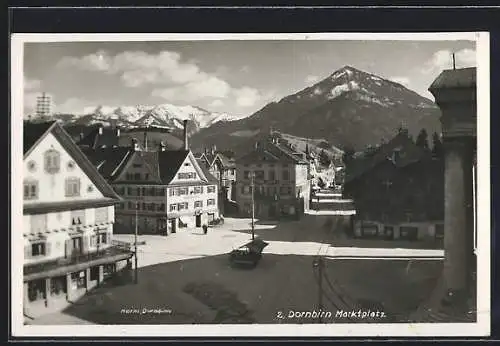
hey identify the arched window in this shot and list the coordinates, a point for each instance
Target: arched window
(52, 161)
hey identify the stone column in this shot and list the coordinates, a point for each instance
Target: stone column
(457, 234)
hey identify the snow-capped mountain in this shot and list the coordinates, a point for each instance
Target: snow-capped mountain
(349, 108)
(162, 115)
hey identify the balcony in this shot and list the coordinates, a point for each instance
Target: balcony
(77, 262)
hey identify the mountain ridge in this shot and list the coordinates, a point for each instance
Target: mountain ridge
(349, 108)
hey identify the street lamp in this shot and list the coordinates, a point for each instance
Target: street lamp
(135, 240)
(252, 177)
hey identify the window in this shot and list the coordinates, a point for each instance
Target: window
(171, 192)
(146, 176)
(285, 190)
(38, 223)
(189, 175)
(30, 190)
(198, 189)
(94, 273)
(272, 175)
(38, 249)
(143, 206)
(211, 201)
(161, 207)
(246, 175)
(173, 207)
(130, 191)
(183, 205)
(198, 204)
(259, 175)
(409, 233)
(58, 285)
(211, 189)
(101, 215)
(286, 175)
(160, 191)
(72, 187)
(137, 191)
(77, 217)
(182, 191)
(52, 161)
(36, 290)
(439, 234)
(151, 206)
(137, 176)
(137, 165)
(78, 280)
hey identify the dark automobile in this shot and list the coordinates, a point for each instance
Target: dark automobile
(248, 255)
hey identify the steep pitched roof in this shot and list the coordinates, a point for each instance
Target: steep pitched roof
(210, 177)
(34, 135)
(169, 162)
(411, 153)
(224, 160)
(33, 132)
(109, 161)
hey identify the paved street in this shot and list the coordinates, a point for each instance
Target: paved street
(186, 278)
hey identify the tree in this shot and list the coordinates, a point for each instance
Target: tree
(422, 141)
(323, 158)
(437, 146)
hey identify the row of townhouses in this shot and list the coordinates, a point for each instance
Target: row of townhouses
(77, 196)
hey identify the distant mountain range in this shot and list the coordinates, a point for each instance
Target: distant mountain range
(163, 115)
(349, 108)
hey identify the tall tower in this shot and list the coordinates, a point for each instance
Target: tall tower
(43, 103)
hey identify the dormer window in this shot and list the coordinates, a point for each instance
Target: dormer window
(52, 161)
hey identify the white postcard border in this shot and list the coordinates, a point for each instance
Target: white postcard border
(480, 328)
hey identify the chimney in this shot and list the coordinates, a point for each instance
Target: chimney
(100, 130)
(186, 146)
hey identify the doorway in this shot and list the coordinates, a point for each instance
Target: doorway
(198, 220)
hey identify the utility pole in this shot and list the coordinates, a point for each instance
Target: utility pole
(453, 58)
(253, 204)
(135, 241)
(318, 263)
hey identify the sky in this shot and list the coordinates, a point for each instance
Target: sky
(236, 77)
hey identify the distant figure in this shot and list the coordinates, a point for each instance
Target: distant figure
(205, 229)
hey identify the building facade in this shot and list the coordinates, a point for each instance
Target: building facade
(68, 216)
(398, 192)
(162, 191)
(281, 181)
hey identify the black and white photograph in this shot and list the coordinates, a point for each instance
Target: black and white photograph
(250, 184)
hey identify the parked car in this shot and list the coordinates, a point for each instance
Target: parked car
(248, 255)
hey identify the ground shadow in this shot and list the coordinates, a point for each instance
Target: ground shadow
(279, 283)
